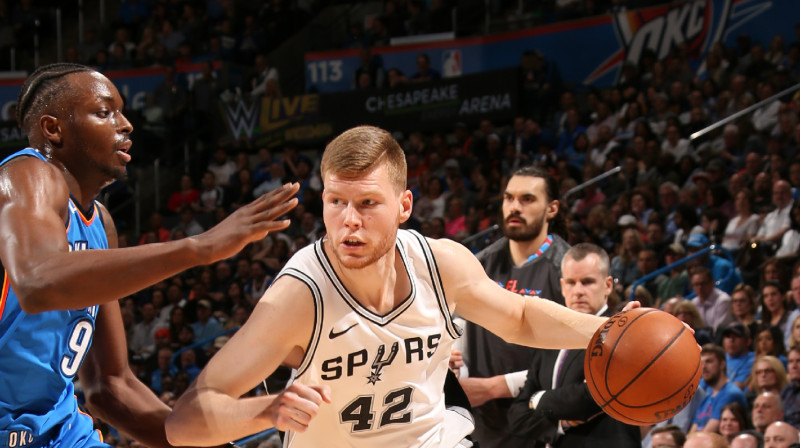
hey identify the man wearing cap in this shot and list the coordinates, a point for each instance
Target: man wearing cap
(676, 284)
(723, 272)
(207, 326)
(713, 303)
(739, 358)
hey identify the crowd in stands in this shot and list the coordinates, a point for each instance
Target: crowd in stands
(736, 187)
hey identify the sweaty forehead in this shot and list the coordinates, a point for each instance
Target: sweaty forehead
(91, 85)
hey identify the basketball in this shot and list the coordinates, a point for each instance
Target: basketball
(642, 366)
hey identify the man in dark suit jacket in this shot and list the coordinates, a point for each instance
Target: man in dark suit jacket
(562, 412)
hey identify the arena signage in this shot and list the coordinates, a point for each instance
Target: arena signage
(589, 51)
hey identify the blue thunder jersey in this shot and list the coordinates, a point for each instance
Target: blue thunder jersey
(41, 353)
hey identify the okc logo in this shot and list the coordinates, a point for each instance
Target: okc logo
(699, 24)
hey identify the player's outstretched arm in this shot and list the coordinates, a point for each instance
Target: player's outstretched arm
(112, 391)
(46, 275)
(213, 411)
(518, 319)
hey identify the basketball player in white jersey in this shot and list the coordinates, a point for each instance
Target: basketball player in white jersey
(364, 316)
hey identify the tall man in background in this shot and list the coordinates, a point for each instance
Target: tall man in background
(527, 260)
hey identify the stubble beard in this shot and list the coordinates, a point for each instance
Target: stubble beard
(525, 233)
(383, 247)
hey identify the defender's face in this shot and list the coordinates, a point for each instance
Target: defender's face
(362, 216)
(96, 131)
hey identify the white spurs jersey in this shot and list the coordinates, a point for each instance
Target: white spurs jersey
(386, 373)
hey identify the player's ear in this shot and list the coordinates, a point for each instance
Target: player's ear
(552, 209)
(406, 203)
(51, 129)
(609, 285)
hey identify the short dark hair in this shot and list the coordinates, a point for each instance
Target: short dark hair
(581, 250)
(713, 349)
(40, 89)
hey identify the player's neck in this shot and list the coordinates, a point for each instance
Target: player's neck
(380, 286)
(522, 250)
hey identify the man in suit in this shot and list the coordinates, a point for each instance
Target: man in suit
(555, 406)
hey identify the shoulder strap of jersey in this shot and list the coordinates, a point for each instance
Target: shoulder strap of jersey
(436, 281)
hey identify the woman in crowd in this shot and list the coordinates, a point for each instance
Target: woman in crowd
(733, 420)
(742, 226)
(688, 313)
(794, 334)
(769, 342)
(774, 306)
(767, 375)
(744, 306)
(624, 266)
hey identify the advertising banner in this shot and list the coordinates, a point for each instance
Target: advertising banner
(315, 118)
(588, 51)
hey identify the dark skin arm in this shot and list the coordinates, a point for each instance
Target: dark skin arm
(47, 276)
(113, 393)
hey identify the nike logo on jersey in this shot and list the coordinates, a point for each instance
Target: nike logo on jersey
(336, 334)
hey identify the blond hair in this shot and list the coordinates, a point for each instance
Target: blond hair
(360, 150)
(780, 374)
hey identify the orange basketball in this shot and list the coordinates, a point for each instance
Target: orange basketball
(642, 366)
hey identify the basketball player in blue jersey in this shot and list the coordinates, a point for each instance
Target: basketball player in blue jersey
(364, 316)
(61, 273)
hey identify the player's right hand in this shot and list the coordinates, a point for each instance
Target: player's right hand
(247, 224)
(295, 406)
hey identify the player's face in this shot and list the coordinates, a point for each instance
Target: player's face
(584, 286)
(96, 130)
(362, 216)
(526, 208)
